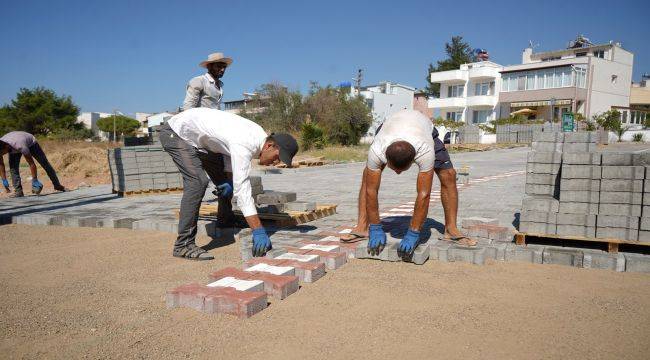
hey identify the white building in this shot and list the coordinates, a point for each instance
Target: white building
(385, 99)
(89, 119)
(469, 94)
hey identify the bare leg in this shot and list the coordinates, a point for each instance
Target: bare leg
(362, 218)
(449, 197)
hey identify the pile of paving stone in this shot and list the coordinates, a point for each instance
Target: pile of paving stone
(571, 189)
(275, 202)
(143, 168)
(469, 134)
(520, 133)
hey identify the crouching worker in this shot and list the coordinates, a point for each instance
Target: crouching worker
(194, 139)
(407, 137)
(19, 144)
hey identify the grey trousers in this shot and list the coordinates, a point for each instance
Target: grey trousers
(38, 154)
(193, 166)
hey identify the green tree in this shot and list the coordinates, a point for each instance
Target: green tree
(458, 52)
(124, 125)
(611, 121)
(282, 109)
(40, 111)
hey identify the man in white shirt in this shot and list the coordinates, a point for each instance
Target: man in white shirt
(407, 137)
(194, 138)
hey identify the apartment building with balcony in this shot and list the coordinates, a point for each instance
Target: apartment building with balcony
(469, 94)
(587, 79)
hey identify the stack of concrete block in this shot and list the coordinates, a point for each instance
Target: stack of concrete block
(486, 230)
(517, 133)
(469, 134)
(143, 168)
(644, 223)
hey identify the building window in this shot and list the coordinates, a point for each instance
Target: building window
(455, 90)
(481, 116)
(483, 88)
(599, 54)
(455, 115)
(581, 54)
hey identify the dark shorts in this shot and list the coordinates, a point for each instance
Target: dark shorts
(443, 161)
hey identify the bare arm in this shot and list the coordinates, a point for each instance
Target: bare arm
(32, 166)
(422, 201)
(373, 180)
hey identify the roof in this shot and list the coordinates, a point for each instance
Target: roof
(545, 64)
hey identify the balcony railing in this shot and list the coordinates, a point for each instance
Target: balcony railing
(482, 100)
(449, 76)
(457, 102)
(483, 72)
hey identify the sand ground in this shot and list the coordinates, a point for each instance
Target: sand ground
(99, 293)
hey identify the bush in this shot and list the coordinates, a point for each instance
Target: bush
(71, 134)
(312, 136)
(638, 137)
(449, 124)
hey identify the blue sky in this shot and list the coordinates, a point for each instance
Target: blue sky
(138, 55)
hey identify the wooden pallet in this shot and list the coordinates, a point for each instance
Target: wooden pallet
(291, 218)
(148, 192)
(612, 245)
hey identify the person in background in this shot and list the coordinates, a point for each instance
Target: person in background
(19, 144)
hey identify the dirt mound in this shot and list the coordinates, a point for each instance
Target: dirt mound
(84, 162)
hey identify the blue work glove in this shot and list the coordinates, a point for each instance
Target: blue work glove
(5, 183)
(409, 242)
(37, 186)
(261, 242)
(377, 239)
(224, 189)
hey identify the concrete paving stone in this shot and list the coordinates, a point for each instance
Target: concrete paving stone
(646, 198)
(621, 185)
(621, 197)
(542, 179)
(545, 157)
(543, 168)
(272, 269)
(529, 253)
(475, 220)
(578, 208)
(546, 146)
(419, 256)
(579, 196)
(278, 286)
(581, 158)
(581, 137)
(389, 253)
(124, 223)
(275, 197)
(473, 256)
(617, 233)
(618, 221)
(540, 203)
(580, 185)
(538, 217)
(578, 147)
(581, 172)
(543, 136)
(307, 272)
(576, 230)
(623, 172)
(644, 224)
(588, 220)
(563, 256)
(645, 211)
(440, 251)
(642, 159)
(70, 221)
(617, 159)
(637, 263)
(644, 236)
(237, 284)
(618, 209)
(537, 228)
(495, 251)
(597, 259)
(300, 206)
(242, 304)
(535, 189)
(332, 260)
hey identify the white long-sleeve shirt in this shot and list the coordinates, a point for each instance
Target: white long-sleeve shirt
(238, 139)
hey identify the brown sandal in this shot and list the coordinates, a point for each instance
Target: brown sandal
(354, 237)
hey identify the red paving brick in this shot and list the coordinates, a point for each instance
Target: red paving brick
(217, 300)
(279, 286)
(306, 271)
(332, 260)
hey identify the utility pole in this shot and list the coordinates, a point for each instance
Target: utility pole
(357, 80)
(114, 138)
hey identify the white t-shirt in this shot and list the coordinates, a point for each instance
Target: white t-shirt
(238, 139)
(406, 125)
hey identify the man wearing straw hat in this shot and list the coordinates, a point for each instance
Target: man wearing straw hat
(207, 90)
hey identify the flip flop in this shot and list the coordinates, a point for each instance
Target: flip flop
(456, 240)
(354, 238)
